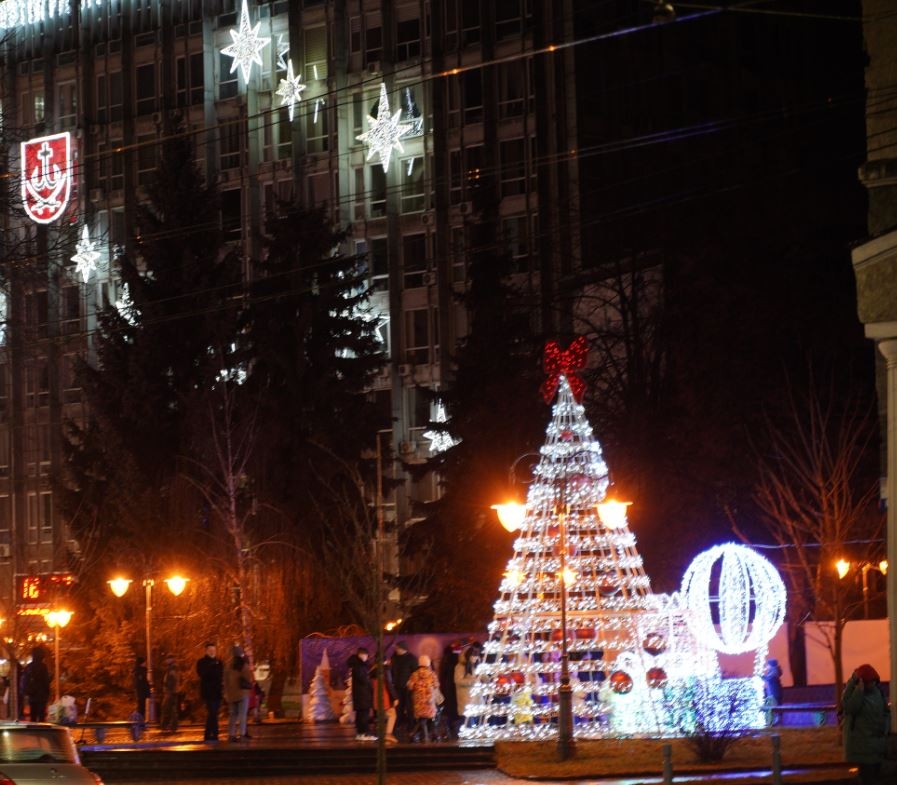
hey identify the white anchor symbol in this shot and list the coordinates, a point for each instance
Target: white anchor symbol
(45, 178)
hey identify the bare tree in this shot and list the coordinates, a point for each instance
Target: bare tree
(819, 506)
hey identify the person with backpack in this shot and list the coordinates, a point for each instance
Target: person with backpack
(865, 723)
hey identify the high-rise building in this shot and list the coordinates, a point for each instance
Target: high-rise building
(281, 100)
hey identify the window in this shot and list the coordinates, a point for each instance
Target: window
(472, 94)
(146, 159)
(455, 176)
(316, 136)
(228, 86)
(189, 76)
(408, 40)
(67, 103)
(5, 516)
(378, 262)
(516, 236)
(513, 167)
(470, 22)
(359, 115)
(378, 191)
(474, 168)
(109, 98)
(508, 21)
(145, 88)
(355, 34)
(412, 185)
(511, 88)
(38, 106)
(414, 259)
(32, 518)
(230, 143)
(284, 133)
(231, 213)
(358, 181)
(459, 255)
(71, 309)
(315, 53)
(451, 25)
(373, 42)
(36, 312)
(420, 335)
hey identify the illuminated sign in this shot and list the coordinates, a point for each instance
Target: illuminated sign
(47, 175)
(42, 589)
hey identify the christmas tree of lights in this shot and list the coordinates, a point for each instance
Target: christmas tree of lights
(634, 661)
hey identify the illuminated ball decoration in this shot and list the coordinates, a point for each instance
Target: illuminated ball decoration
(621, 682)
(656, 677)
(654, 644)
(737, 590)
(608, 585)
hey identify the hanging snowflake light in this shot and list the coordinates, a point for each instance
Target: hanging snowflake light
(440, 441)
(247, 45)
(86, 255)
(283, 48)
(290, 90)
(384, 131)
(750, 598)
(125, 306)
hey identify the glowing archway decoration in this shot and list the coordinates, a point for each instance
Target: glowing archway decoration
(750, 598)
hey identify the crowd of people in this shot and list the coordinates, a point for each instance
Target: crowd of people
(409, 695)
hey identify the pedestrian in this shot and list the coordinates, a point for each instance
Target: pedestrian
(772, 682)
(423, 686)
(171, 682)
(142, 689)
(450, 709)
(211, 678)
(362, 695)
(465, 677)
(386, 702)
(403, 663)
(256, 698)
(237, 686)
(865, 723)
(36, 685)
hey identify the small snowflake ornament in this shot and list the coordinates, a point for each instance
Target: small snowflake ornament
(247, 45)
(86, 255)
(384, 131)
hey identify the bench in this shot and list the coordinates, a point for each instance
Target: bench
(802, 714)
(101, 728)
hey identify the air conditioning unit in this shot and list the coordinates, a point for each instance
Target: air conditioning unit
(428, 219)
(407, 448)
(285, 164)
(405, 369)
(465, 208)
(223, 176)
(96, 195)
(4, 550)
(373, 67)
(430, 279)
(385, 372)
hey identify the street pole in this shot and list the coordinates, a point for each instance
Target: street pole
(56, 660)
(150, 705)
(888, 348)
(566, 745)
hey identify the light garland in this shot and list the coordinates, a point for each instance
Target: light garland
(384, 131)
(86, 255)
(440, 441)
(246, 46)
(125, 306)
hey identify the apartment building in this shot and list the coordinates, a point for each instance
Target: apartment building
(282, 99)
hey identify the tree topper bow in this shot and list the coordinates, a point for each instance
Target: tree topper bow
(567, 362)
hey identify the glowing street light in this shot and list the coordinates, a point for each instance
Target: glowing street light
(843, 567)
(56, 620)
(510, 515)
(176, 585)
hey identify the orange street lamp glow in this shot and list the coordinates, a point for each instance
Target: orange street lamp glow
(511, 515)
(119, 586)
(176, 584)
(843, 567)
(613, 513)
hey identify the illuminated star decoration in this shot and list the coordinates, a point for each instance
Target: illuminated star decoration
(86, 257)
(290, 90)
(564, 362)
(384, 131)
(125, 306)
(440, 441)
(282, 49)
(247, 45)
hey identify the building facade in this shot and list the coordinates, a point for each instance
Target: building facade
(281, 100)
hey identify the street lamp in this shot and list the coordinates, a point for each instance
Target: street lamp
(176, 585)
(56, 620)
(843, 567)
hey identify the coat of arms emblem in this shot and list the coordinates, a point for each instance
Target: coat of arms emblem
(47, 175)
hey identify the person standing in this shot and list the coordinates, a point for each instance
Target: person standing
(465, 678)
(772, 682)
(387, 701)
(237, 686)
(36, 685)
(403, 664)
(362, 695)
(423, 685)
(211, 679)
(171, 682)
(142, 689)
(865, 723)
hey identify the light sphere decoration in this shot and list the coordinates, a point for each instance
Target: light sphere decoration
(749, 598)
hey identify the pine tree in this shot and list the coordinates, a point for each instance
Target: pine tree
(630, 652)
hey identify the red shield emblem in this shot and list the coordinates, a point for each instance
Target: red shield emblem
(47, 175)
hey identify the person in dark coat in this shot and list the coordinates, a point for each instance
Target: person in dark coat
(865, 725)
(403, 664)
(362, 695)
(171, 683)
(36, 685)
(772, 682)
(141, 686)
(211, 688)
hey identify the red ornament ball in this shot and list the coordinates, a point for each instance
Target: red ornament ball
(567, 435)
(608, 585)
(657, 677)
(621, 682)
(654, 644)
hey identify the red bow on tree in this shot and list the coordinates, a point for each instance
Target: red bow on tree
(567, 362)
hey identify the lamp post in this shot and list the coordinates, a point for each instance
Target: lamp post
(56, 621)
(843, 567)
(176, 585)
